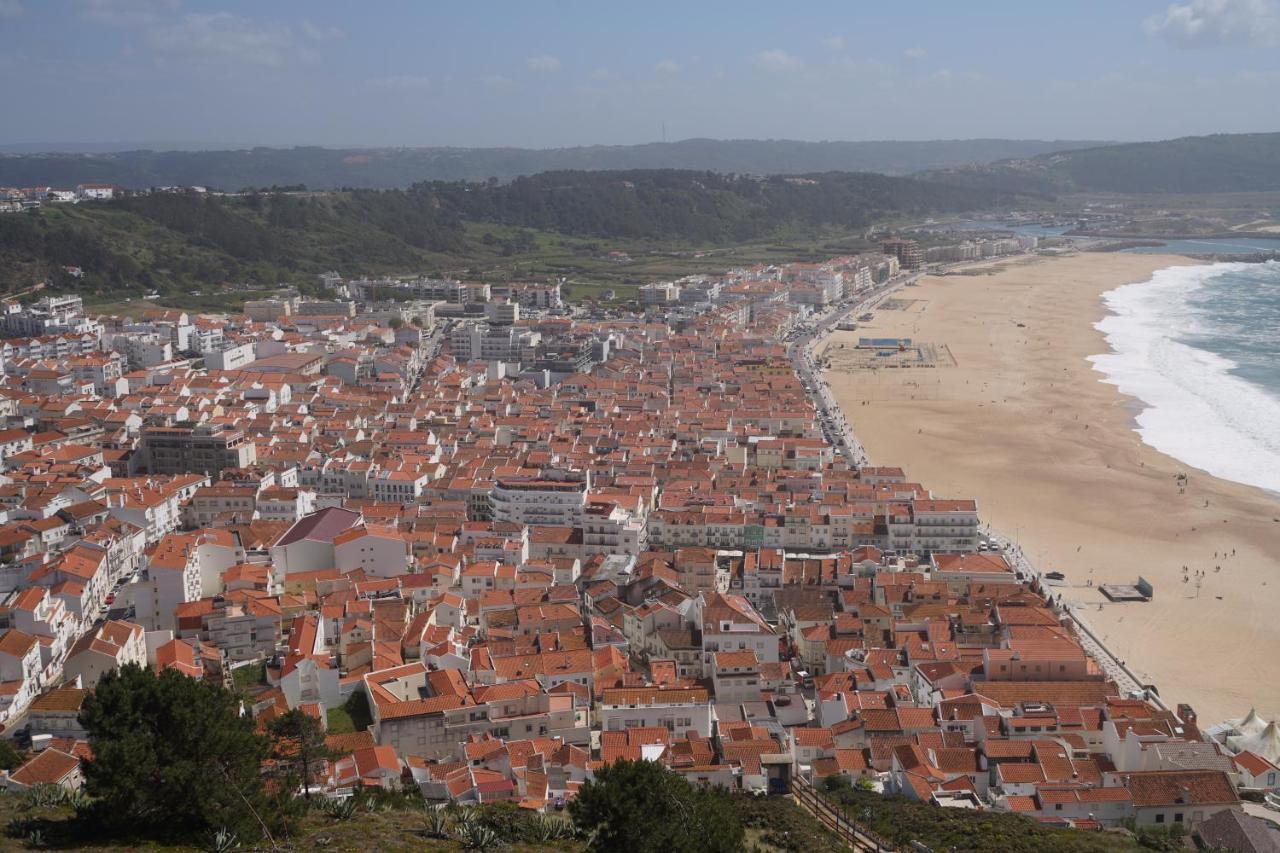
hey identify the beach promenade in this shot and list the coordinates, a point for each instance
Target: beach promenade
(1022, 422)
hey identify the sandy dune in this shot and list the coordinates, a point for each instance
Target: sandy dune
(1023, 423)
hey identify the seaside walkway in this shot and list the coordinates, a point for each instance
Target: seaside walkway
(1115, 669)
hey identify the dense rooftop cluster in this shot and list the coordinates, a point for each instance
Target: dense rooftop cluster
(622, 535)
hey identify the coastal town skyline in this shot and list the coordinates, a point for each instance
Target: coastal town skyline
(688, 428)
(504, 522)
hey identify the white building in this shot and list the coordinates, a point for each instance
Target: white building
(556, 499)
(676, 709)
(230, 358)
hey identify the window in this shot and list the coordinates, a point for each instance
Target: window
(1177, 817)
(1160, 818)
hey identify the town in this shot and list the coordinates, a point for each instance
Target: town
(516, 539)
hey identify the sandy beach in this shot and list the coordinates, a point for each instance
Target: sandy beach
(1016, 417)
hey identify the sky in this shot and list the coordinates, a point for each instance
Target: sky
(562, 72)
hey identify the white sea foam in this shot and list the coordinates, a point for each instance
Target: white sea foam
(1194, 410)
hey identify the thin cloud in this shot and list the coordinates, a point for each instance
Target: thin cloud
(316, 32)
(777, 61)
(915, 53)
(544, 62)
(402, 82)
(498, 82)
(224, 36)
(1203, 23)
(127, 13)
(667, 66)
(835, 43)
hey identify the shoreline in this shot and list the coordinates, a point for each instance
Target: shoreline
(1025, 424)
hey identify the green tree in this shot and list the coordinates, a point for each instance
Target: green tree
(395, 322)
(299, 739)
(643, 807)
(357, 705)
(10, 758)
(172, 757)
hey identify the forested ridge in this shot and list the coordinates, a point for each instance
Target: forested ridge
(397, 168)
(187, 239)
(1221, 163)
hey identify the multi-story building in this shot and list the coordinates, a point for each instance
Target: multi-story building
(678, 710)
(207, 449)
(50, 315)
(537, 295)
(325, 308)
(230, 358)
(556, 499)
(945, 525)
(266, 310)
(502, 313)
(661, 293)
(475, 341)
(908, 252)
(172, 576)
(142, 349)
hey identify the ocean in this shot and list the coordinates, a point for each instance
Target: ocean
(1199, 346)
(1210, 246)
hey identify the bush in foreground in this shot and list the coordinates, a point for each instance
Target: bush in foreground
(643, 807)
(172, 758)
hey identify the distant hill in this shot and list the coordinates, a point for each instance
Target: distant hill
(1246, 162)
(394, 168)
(183, 241)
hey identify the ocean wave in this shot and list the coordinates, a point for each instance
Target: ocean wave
(1195, 408)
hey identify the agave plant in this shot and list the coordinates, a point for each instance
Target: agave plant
(464, 822)
(438, 823)
(45, 795)
(340, 809)
(477, 836)
(553, 828)
(35, 839)
(222, 841)
(78, 800)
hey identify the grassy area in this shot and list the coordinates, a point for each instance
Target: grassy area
(250, 676)
(778, 824)
(902, 821)
(385, 823)
(339, 721)
(398, 821)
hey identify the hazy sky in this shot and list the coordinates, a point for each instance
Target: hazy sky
(544, 73)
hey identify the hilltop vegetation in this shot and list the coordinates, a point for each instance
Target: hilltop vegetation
(1248, 162)
(184, 241)
(1196, 164)
(902, 821)
(392, 168)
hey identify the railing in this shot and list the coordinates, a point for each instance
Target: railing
(853, 834)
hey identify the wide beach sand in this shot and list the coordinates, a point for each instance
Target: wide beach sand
(1021, 422)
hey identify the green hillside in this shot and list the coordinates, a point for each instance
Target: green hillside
(180, 242)
(391, 168)
(1220, 163)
